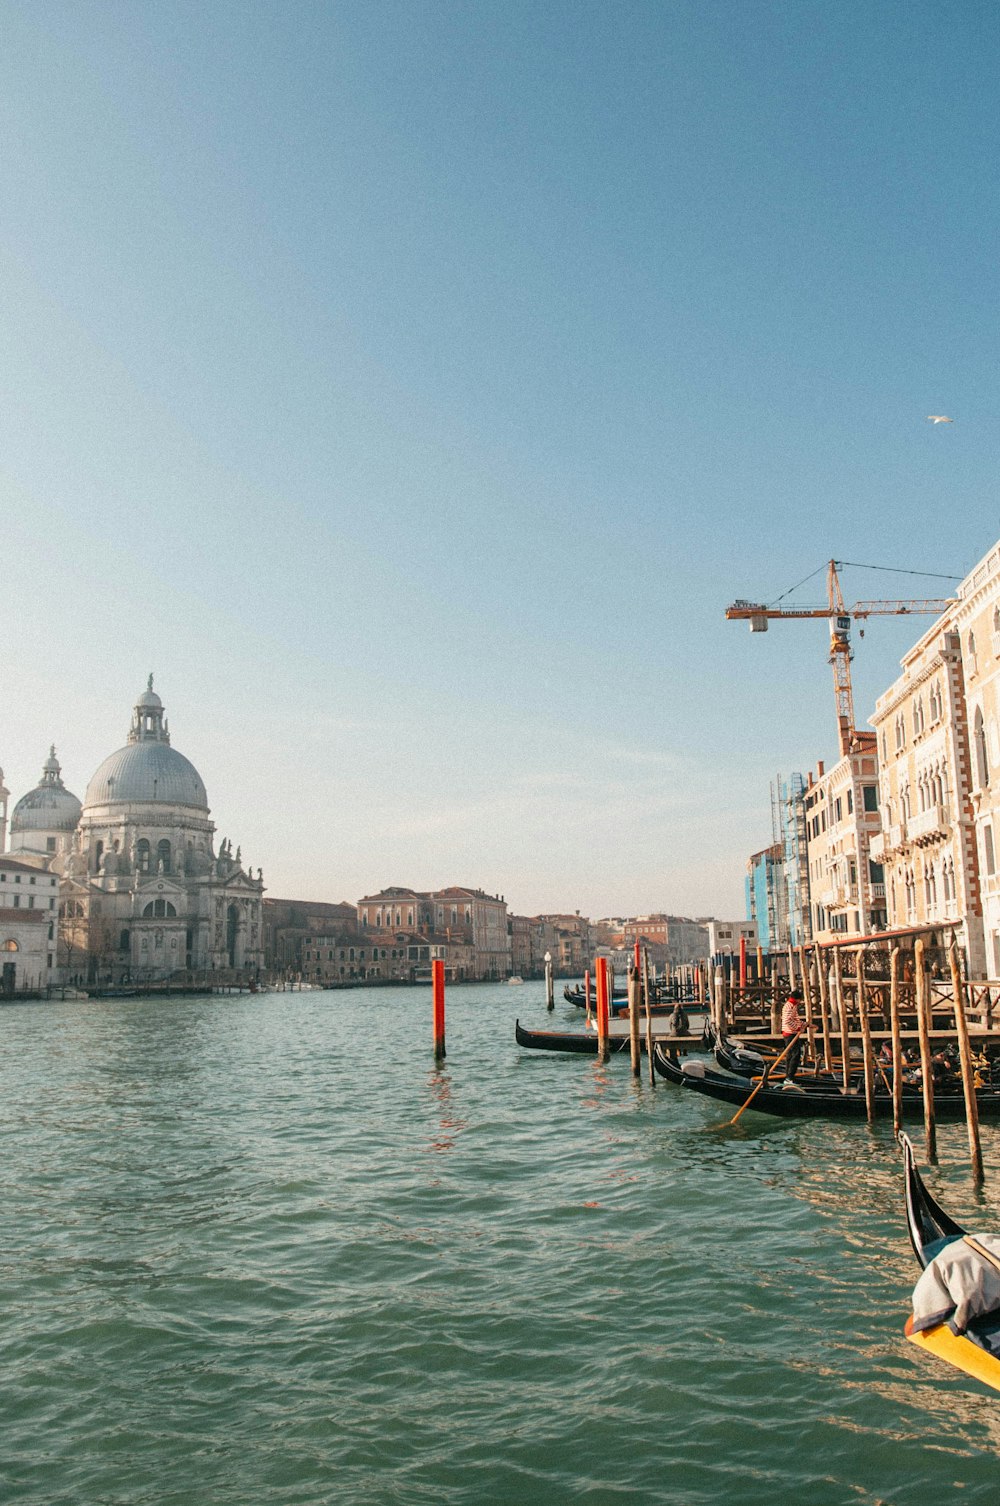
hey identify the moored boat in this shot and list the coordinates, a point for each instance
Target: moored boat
(820, 1099)
(975, 1349)
(577, 1042)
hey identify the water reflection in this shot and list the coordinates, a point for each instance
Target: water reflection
(450, 1122)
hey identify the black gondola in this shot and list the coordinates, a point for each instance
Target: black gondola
(815, 1100)
(931, 1230)
(578, 1042)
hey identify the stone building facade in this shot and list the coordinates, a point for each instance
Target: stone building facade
(846, 885)
(927, 842)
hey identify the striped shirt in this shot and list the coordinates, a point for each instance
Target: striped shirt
(791, 1020)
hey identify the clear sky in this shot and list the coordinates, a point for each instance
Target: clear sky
(411, 386)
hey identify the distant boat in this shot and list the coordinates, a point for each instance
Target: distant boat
(514, 980)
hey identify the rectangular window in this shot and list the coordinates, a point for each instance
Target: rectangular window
(870, 795)
(850, 802)
(991, 865)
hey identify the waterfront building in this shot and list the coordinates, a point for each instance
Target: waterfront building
(464, 917)
(678, 940)
(290, 924)
(976, 620)
(791, 822)
(568, 941)
(724, 938)
(4, 797)
(519, 931)
(927, 842)
(44, 821)
(145, 895)
(29, 915)
(847, 886)
(765, 894)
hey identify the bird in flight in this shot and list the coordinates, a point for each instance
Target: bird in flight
(939, 418)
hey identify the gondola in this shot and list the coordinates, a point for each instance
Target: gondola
(578, 996)
(579, 1042)
(977, 1351)
(619, 1004)
(815, 1100)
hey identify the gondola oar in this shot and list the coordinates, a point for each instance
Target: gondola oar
(763, 1080)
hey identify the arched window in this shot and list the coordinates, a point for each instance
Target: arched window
(159, 907)
(98, 855)
(142, 855)
(163, 856)
(970, 645)
(10, 946)
(979, 740)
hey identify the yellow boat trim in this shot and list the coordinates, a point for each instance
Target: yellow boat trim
(955, 1349)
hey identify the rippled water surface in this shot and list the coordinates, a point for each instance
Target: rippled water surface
(261, 1250)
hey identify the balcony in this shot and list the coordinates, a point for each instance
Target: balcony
(876, 847)
(839, 895)
(878, 890)
(929, 825)
(895, 837)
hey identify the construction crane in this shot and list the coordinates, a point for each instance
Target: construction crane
(841, 652)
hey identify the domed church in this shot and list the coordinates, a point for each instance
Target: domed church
(145, 895)
(44, 820)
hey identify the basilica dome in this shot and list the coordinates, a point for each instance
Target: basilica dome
(147, 770)
(50, 806)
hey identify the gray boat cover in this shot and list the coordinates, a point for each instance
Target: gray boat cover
(958, 1286)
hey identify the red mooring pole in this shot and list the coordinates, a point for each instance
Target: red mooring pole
(638, 958)
(602, 1004)
(437, 987)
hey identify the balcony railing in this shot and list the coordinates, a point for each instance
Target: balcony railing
(896, 836)
(928, 824)
(876, 847)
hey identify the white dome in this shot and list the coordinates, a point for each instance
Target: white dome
(50, 806)
(150, 773)
(147, 770)
(45, 808)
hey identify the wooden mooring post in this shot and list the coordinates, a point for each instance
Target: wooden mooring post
(965, 1057)
(586, 992)
(897, 1042)
(866, 1034)
(924, 1030)
(649, 1016)
(823, 983)
(843, 1018)
(807, 1001)
(633, 1018)
(550, 1002)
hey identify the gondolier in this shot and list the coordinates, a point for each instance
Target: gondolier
(792, 1025)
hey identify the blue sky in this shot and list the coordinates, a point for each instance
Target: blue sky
(412, 386)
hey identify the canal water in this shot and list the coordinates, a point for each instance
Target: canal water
(260, 1250)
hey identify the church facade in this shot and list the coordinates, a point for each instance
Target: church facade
(145, 896)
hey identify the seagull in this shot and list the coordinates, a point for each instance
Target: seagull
(939, 418)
